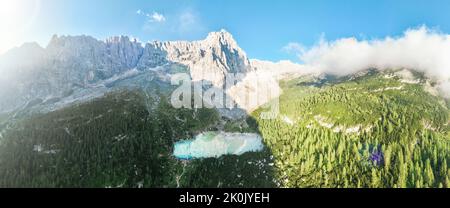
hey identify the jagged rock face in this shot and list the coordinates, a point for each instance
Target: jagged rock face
(123, 52)
(152, 57)
(85, 59)
(68, 62)
(210, 59)
(92, 59)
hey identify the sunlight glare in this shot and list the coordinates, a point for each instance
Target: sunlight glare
(16, 16)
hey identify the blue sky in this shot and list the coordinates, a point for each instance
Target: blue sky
(261, 27)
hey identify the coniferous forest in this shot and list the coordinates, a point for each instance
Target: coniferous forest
(124, 139)
(368, 131)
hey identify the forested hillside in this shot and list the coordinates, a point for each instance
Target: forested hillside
(372, 130)
(124, 139)
(369, 131)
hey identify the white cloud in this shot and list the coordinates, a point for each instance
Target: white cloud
(444, 87)
(294, 48)
(422, 49)
(156, 17)
(184, 24)
(152, 17)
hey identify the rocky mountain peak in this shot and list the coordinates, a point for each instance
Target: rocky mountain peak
(83, 61)
(208, 59)
(222, 36)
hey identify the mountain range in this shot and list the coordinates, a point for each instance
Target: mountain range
(83, 112)
(77, 67)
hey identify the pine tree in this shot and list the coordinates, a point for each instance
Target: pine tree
(387, 158)
(443, 171)
(447, 181)
(375, 183)
(429, 175)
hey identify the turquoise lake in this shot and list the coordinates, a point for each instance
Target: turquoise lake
(216, 144)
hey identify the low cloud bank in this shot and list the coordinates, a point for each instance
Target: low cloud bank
(421, 49)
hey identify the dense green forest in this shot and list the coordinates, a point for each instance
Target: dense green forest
(366, 132)
(124, 139)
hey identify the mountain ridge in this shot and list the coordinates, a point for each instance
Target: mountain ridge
(72, 62)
